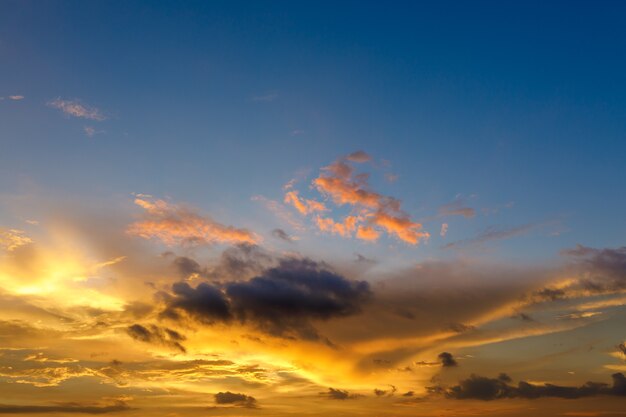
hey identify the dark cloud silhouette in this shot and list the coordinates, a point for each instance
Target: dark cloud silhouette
(157, 335)
(447, 360)
(205, 303)
(282, 235)
(460, 327)
(240, 400)
(64, 408)
(381, 392)
(484, 388)
(338, 394)
(280, 301)
(187, 266)
(622, 348)
(548, 294)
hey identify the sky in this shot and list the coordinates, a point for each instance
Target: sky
(312, 208)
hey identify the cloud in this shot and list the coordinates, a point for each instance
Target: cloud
(491, 233)
(240, 400)
(601, 269)
(175, 224)
(622, 349)
(11, 239)
(157, 335)
(303, 206)
(63, 408)
(372, 213)
(444, 230)
(338, 394)
(16, 97)
(265, 97)
(281, 301)
(358, 156)
(484, 388)
(91, 131)
(457, 208)
(282, 235)
(447, 360)
(75, 108)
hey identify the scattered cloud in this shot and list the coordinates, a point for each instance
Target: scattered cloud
(490, 234)
(444, 230)
(75, 108)
(282, 235)
(91, 131)
(372, 213)
(484, 388)
(447, 360)
(157, 335)
(339, 394)
(16, 97)
(304, 206)
(457, 208)
(176, 224)
(11, 239)
(232, 398)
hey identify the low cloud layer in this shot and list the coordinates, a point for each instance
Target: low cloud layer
(483, 388)
(281, 301)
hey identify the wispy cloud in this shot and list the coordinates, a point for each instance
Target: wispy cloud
(457, 208)
(75, 108)
(11, 239)
(271, 96)
(491, 233)
(444, 230)
(175, 224)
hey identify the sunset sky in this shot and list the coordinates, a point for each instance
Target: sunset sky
(282, 208)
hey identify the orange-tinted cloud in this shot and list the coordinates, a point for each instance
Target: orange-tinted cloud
(304, 206)
(344, 229)
(375, 212)
(367, 233)
(175, 224)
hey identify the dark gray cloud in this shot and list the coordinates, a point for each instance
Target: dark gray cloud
(280, 301)
(363, 259)
(622, 348)
(484, 388)
(157, 335)
(338, 394)
(240, 400)
(447, 360)
(282, 235)
(63, 408)
(187, 266)
(383, 392)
